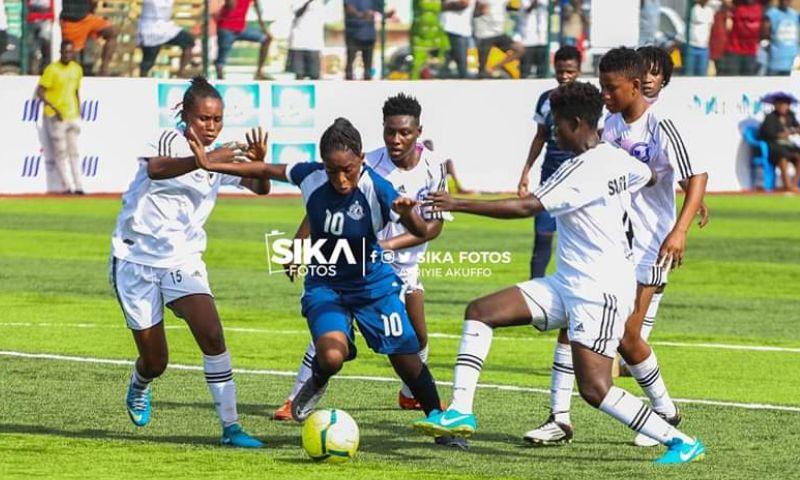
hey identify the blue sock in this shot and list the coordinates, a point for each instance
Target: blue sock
(424, 389)
(542, 250)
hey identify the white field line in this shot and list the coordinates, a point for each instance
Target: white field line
(280, 373)
(536, 338)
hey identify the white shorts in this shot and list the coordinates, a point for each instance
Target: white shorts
(651, 275)
(410, 277)
(143, 291)
(596, 321)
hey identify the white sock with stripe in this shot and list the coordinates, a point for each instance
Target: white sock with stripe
(562, 380)
(637, 415)
(219, 376)
(423, 355)
(476, 340)
(138, 381)
(648, 375)
(305, 370)
(650, 316)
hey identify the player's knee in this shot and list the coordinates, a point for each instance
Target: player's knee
(593, 392)
(331, 360)
(213, 342)
(478, 311)
(155, 366)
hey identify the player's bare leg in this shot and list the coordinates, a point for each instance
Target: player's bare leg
(153, 357)
(332, 350)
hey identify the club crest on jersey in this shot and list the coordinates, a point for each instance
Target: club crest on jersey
(356, 211)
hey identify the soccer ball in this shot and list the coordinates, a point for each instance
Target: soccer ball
(330, 436)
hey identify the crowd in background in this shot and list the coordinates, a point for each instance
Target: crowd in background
(512, 38)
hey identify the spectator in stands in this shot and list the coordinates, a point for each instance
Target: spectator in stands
(781, 29)
(745, 33)
(532, 33)
(59, 90)
(490, 31)
(360, 34)
(157, 29)
(306, 39)
(649, 18)
(781, 131)
(701, 20)
(3, 28)
(232, 26)
(574, 24)
(720, 31)
(78, 22)
(39, 34)
(457, 23)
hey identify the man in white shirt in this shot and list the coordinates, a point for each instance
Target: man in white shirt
(306, 38)
(157, 29)
(701, 19)
(457, 23)
(490, 31)
(532, 33)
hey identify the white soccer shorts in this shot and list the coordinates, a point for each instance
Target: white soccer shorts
(143, 291)
(595, 319)
(410, 277)
(651, 275)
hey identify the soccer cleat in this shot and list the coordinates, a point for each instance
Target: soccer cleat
(452, 442)
(449, 422)
(138, 405)
(550, 433)
(643, 440)
(284, 413)
(407, 403)
(306, 400)
(680, 452)
(234, 436)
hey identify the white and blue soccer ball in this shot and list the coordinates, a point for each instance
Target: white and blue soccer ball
(330, 436)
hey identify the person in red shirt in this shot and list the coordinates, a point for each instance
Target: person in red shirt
(720, 30)
(39, 34)
(232, 26)
(745, 33)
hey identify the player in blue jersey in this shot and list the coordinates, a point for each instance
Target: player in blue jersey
(347, 205)
(567, 64)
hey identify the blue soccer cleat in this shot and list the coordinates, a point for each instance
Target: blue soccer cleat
(449, 422)
(138, 405)
(234, 436)
(680, 452)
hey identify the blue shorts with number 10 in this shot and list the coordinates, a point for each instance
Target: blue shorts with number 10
(382, 319)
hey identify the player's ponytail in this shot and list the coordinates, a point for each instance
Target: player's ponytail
(342, 135)
(199, 89)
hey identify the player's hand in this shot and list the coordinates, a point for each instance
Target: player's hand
(671, 253)
(704, 213)
(256, 145)
(403, 206)
(522, 187)
(199, 151)
(439, 201)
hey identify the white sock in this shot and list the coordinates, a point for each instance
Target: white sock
(305, 370)
(637, 415)
(476, 340)
(561, 382)
(138, 381)
(404, 389)
(648, 375)
(650, 316)
(219, 376)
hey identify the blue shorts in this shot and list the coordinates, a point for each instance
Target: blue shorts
(383, 321)
(226, 38)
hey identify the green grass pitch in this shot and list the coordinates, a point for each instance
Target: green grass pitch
(61, 418)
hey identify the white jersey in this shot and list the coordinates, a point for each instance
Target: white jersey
(429, 175)
(161, 222)
(589, 195)
(155, 23)
(655, 140)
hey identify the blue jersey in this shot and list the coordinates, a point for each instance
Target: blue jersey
(553, 156)
(348, 225)
(784, 36)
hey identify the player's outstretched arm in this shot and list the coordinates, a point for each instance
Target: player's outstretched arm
(253, 169)
(433, 228)
(503, 208)
(674, 245)
(703, 212)
(409, 218)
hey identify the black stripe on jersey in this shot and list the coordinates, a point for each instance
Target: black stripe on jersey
(684, 164)
(598, 342)
(560, 175)
(170, 140)
(116, 289)
(612, 317)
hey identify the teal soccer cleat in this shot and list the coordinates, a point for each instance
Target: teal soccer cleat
(234, 436)
(680, 452)
(138, 405)
(449, 422)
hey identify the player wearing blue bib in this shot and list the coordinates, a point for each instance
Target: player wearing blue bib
(567, 64)
(347, 204)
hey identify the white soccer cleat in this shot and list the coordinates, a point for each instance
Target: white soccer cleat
(549, 433)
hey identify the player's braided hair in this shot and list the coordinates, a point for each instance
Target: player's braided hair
(402, 104)
(657, 60)
(577, 99)
(567, 52)
(199, 89)
(341, 135)
(625, 61)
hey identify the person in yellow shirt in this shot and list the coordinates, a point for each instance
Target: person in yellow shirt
(58, 89)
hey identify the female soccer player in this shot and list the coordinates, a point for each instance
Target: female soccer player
(157, 250)
(592, 290)
(347, 205)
